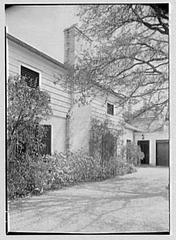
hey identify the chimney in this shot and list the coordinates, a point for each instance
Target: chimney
(69, 45)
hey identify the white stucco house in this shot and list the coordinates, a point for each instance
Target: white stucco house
(69, 126)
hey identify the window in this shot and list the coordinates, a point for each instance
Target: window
(31, 77)
(47, 140)
(110, 109)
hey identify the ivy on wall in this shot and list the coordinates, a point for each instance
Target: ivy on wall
(104, 140)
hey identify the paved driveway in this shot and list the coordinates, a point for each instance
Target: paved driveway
(135, 202)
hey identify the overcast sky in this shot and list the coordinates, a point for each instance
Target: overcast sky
(42, 26)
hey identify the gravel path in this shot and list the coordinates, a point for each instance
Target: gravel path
(135, 202)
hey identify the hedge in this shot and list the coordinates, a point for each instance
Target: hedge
(59, 170)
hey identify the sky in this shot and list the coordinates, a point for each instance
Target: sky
(42, 26)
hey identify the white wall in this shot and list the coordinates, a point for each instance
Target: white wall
(60, 99)
(79, 127)
(153, 137)
(75, 43)
(99, 109)
(127, 135)
(58, 133)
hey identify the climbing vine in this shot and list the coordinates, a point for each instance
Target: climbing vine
(104, 140)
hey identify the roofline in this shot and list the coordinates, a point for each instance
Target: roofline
(129, 126)
(34, 50)
(47, 57)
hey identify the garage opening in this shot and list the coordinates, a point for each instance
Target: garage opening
(144, 145)
(162, 152)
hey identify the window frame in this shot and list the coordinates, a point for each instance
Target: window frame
(113, 109)
(32, 69)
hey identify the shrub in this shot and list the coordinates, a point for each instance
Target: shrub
(81, 167)
(125, 168)
(59, 170)
(104, 139)
(27, 107)
(25, 175)
(132, 153)
(73, 168)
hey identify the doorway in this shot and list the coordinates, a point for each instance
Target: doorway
(144, 145)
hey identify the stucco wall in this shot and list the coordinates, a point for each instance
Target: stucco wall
(75, 43)
(127, 135)
(79, 127)
(152, 137)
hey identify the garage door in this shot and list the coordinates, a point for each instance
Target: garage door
(162, 153)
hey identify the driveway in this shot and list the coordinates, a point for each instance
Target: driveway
(135, 202)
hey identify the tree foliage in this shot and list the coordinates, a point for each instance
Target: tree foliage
(26, 108)
(128, 54)
(104, 140)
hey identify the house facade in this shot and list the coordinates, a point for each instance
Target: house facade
(70, 124)
(20, 56)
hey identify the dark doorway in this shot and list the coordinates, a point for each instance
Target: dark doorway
(144, 145)
(162, 153)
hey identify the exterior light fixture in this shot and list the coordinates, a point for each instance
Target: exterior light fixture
(142, 136)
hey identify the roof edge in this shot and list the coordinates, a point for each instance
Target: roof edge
(35, 50)
(47, 57)
(129, 126)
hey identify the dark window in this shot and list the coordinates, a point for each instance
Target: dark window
(47, 140)
(31, 77)
(110, 109)
(128, 141)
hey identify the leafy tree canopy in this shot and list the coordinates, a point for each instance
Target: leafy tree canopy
(129, 54)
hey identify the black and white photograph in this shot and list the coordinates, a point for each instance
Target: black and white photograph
(87, 89)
